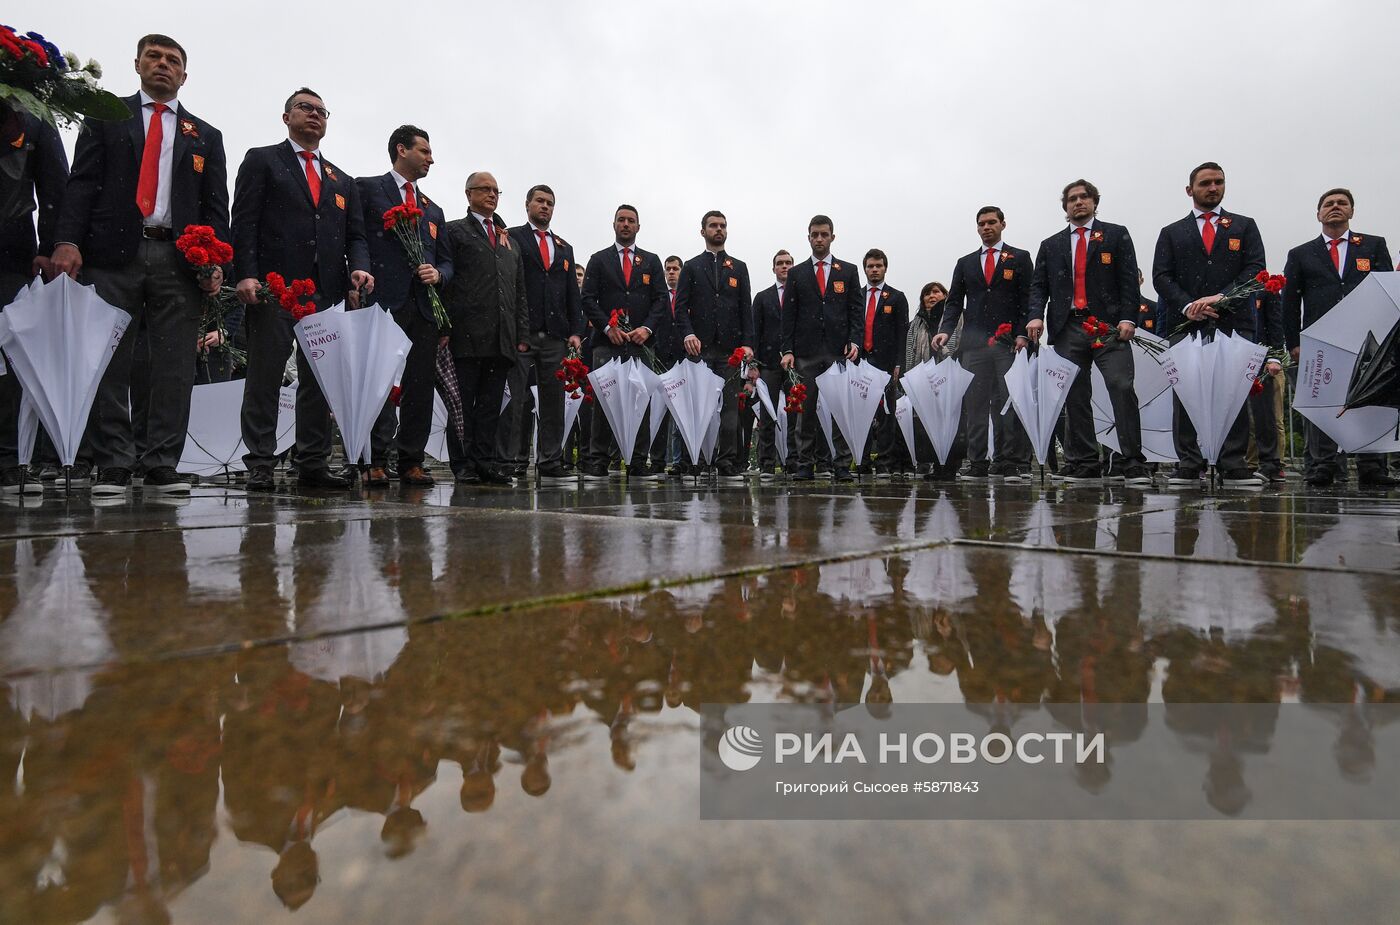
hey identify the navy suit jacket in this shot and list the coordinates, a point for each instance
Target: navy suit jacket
(817, 326)
(99, 212)
(396, 282)
(277, 228)
(1314, 285)
(713, 302)
(1006, 301)
(1110, 277)
(33, 174)
(889, 330)
(604, 291)
(768, 328)
(1183, 272)
(556, 306)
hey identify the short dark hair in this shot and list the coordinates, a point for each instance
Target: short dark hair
(1089, 188)
(875, 254)
(930, 287)
(404, 135)
(164, 41)
(713, 213)
(1001, 216)
(299, 91)
(538, 188)
(671, 258)
(1351, 200)
(1208, 165)
(779, 254)
(632, 209)
(821, 220)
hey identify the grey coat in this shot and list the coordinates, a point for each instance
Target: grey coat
(486, 295)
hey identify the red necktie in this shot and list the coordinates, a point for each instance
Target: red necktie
(821, 277)
(313, 179)
(627, 266)
(1335, 243)
(409, 199)
(673, 303)
(491, 232)
(990, 265)
(544, 247)
(870, 304)
(149, 180)
(1208, 231)
(1081, 261)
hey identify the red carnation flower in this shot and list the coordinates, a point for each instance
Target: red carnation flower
(1262, 276)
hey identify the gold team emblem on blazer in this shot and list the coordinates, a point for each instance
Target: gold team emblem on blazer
(889, 309)
(839, 286)
(432, 230)
(566, 265)
(733, 283)
(1105, 259)
(1234, 244)
(646, 279)
(1363, 265)
(339, 201)
(1008, 274)
(198, 162)
(1224, 221)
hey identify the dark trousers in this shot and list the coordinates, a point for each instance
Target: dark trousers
(602, 445)
(807, 453)
(1324, 457)
(543, 359)
(776, 379)
(159, 291)
(985, 397)
(1115, 361)
(414, 420)
(482, 381)
(1261, 415)
(270, 341)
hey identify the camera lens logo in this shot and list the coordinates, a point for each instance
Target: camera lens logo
(740, 748)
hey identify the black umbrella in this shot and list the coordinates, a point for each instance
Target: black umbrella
(1375, 380)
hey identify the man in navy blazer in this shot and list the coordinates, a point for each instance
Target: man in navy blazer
(995, 283)
(33, 172)
(556, 326)
(1320, 273)
(1198, 258)
(402, 289)
(1089, 270)
(622, 278)
(296, 214)
(768, 343)
(135, 185)
(713, 318)
(885, 327)
(821, 326)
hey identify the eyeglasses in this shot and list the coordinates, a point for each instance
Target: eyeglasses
(321, 111)
(484, 189)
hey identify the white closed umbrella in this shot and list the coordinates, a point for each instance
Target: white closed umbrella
(59, 337)
(214, 439)
(824, 419)
(853, 392)
(904, 417)
(936, 390)
(1212, 380)
(1039, 385)
(357, 357)
(1327, 358)
(624, 394)
(691, 389)
(1154, 397)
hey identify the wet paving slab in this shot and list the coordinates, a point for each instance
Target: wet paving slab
(476, 709)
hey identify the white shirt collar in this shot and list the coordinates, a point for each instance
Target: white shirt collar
(483, 219)
(298, 149)
(816, 260)
(995, 247)
(1087, 226)
(400, 181)
(1199, 212)
(1344, 237)
(147, 100)
(536, 228)
(621, 247)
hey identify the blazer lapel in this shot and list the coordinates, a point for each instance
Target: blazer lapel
(136, 128)
(296, 166)
(1219, 233)
(182, 145)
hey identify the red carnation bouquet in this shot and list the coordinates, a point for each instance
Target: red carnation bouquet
(1237, 295)
(204, 252)
(573, 372)
(1098, 330)
(1002, 336)
(741, 364)
(796, 393)
(618, 319)
(289, 295)
(402, 220)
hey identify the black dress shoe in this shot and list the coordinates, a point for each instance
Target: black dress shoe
(803, 474)
(1320, 480)
(1377, 481)
(350, 473)
(843, 475)
(261, 479)
(322, 478)
(490, 475)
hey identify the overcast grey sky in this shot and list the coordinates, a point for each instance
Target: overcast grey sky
(897, 119)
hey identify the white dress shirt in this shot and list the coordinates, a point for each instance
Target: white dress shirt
(548, 240)
(301, 161)
(160, 216)
(1201, 222)
(1341, 250)
(1074, 240)
(399, 183)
